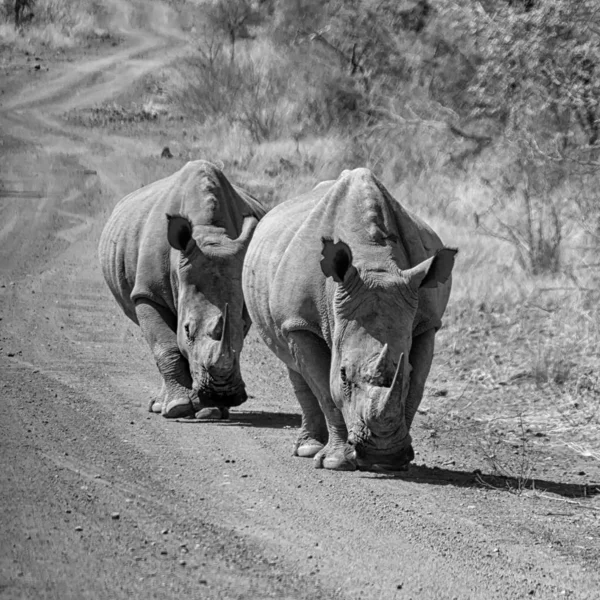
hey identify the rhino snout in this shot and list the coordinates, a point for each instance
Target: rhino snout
(381, 454)
(209, 397)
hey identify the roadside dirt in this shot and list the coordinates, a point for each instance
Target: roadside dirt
(100, 499)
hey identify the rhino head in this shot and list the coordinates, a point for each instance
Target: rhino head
(373, 314)
(211, 315)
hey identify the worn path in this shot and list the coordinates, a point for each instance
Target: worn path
(102, 500)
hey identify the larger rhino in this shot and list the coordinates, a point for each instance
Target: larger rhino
(348, 288)
(172, 255)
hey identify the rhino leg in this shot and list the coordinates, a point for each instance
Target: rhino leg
(158, 326)
(313, 359)
(313, 433)
(156, 403)
(421, 356)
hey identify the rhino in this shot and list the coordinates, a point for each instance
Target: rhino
(348, 289)
(172, 254)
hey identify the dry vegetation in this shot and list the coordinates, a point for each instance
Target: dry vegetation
(52, 24)
(473, 119)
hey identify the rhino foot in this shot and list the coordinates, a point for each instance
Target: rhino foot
(335, 458)
(212, 413)
(177, 409)
(307, 448)
(157, 401)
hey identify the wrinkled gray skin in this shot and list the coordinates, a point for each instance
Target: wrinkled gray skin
(172, 255)
(348, 288)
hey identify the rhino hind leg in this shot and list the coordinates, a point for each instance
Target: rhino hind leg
(313, 359)
(313, 432)
(158, 326)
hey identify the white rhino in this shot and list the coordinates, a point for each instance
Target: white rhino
(172, 255)
(342, 284)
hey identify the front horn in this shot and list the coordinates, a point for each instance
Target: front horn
(391, 403)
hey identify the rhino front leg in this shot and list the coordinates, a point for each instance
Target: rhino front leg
(313, 358)
(159, 328)
(421, 356)
(313, 433)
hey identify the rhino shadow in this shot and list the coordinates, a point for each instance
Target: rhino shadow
(262, 419)
(471, 479)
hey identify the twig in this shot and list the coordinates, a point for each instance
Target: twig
(542, 495)
(566, 289)
(480, 139)
(548, 310)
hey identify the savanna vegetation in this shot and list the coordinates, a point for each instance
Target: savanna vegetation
(29, 24)
(482, 117)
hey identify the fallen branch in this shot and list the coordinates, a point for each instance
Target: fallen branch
(565, 500)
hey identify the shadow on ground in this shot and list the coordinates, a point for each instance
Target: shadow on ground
(265, 419)
(440, 476)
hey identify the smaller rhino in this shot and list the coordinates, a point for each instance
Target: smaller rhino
(172, 255)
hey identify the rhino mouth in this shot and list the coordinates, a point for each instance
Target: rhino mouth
(395, 464)
(216, 391)
(212, 397)
(383, 460)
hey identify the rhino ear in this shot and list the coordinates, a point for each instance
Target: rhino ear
(432, 271)
(179, 232)
(337, 259)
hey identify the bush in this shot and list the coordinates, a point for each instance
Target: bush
(59, 23)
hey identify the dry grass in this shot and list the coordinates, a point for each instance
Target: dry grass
(56, 24)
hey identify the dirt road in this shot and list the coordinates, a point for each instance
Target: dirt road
(100, 499)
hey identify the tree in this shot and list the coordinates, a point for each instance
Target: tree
(232, 17)
(539, 74)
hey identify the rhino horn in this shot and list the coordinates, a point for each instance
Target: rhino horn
(381, 360)
(391, 404)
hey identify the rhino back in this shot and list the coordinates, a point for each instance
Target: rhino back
(134, 251)
(273, 239)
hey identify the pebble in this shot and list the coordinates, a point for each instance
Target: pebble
(79, 528)
(115, 516)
